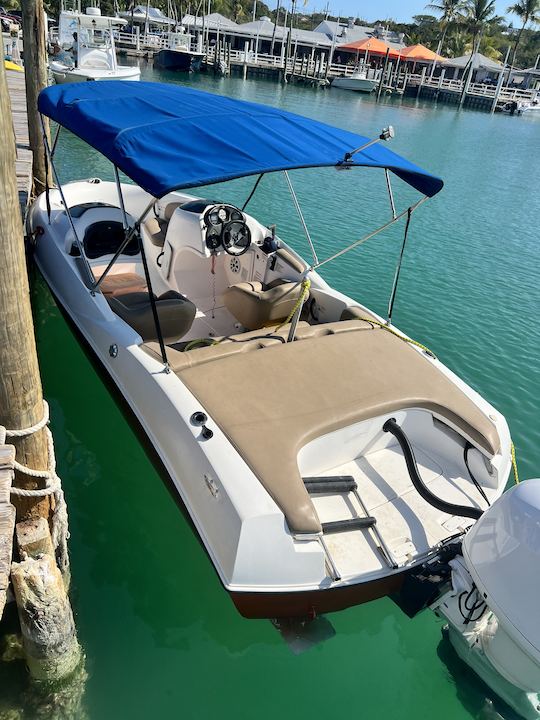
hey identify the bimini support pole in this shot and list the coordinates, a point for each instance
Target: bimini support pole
(121, 200)
(85, 263)
(398, 269)
(387, 133)
(390, 193)
(252, 193)
(370, 235)
(154, 307)
(129, 236)
(301, 216)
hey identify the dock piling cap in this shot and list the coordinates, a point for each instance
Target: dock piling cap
(502, 552)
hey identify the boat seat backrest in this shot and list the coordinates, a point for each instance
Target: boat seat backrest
(256, 305)
(251, 341)
(176, 314)
(104, 238)
(155, 230)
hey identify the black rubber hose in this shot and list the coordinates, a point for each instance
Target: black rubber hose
(392, 427)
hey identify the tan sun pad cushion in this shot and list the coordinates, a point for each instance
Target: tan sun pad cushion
(271, 402)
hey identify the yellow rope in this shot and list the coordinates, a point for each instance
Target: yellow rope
(514, 463)
(305, 285)
(386, 327)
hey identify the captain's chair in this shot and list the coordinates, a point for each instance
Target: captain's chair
(256, 305)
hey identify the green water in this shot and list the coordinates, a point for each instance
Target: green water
(162, 639)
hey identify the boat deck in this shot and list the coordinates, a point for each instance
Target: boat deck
(407, 523)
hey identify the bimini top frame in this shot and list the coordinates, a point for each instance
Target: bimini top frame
(168, 138)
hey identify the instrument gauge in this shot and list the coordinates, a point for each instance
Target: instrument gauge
(222, 214)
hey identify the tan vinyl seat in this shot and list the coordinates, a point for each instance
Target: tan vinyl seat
(122, 283)
(155, 230)
(176, 314)
(256, 305)
(279, 398)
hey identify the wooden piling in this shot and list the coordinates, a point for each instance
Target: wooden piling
(383, 73)
(21, 399)
(48, 629)
(35, 59)
(7, 519)
(422, 78)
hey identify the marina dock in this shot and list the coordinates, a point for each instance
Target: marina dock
(17, 96)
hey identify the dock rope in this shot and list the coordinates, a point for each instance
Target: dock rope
(406, 339)
(514, 462)
(53, 485)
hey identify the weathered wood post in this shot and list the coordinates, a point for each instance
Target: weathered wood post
(244, 68)
(421, 83)
(383, 73)
(35, 60)
(51, 646)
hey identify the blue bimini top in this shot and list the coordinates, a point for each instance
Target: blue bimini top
(167, 137)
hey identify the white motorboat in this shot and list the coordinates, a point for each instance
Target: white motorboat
(179, 55)
(320, 452)
(363, 79)
(91, 36)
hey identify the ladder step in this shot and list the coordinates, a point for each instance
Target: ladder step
(330, 484)
(361, 523)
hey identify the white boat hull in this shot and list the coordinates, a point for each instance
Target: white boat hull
(268, 570)
(62, 74)
(357, 84)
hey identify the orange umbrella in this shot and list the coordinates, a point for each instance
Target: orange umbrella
(419, 53)
(372, 45)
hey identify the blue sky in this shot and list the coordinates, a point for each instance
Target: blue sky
(400, 10)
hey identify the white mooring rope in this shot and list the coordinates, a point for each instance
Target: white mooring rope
(53, 485)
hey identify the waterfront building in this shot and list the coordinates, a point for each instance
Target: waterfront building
(485, 70)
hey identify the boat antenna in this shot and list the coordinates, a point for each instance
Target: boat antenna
(387, 133)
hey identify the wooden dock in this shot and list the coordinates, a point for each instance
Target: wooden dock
(17, 94)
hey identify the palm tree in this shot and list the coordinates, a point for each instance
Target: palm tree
(449, 11)
(478, 14)
(529, 12)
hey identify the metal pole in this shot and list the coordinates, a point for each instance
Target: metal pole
(362, 240)
(122, 246)
(64, 203)
(390, 193)
(120, 198)
(300, 215)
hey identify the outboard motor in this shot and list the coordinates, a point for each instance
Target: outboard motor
(493, 607)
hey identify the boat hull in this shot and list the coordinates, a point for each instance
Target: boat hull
(63, 74)
(356, 84)
(178, 60)
(259, 605)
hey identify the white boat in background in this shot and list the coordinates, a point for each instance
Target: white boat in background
(91, 36)
(362, 80)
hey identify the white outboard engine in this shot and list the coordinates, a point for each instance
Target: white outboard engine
(493, 608)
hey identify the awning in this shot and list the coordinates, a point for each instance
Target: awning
(418, 53)
(371, 45)
(167, 137)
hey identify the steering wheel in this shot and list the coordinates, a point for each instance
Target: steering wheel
(236, 237)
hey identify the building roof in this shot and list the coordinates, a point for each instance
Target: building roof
(420, 52)
(262, 28)
(212, 21)
(371, 45)
(346, 32)
(479, 62)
